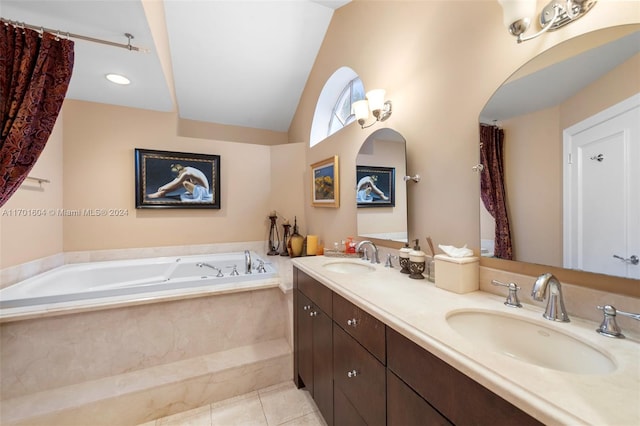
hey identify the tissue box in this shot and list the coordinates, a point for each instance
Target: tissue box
(457, 274)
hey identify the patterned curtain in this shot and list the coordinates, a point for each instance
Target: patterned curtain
(35, 70)
(492, 187)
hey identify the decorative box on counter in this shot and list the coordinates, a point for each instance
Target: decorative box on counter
(457, 274)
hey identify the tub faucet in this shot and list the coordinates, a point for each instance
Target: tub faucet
(202, 264)
(374, 249)
(555, 310)
(247, 262)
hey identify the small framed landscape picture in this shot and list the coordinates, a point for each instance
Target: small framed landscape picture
(375, 186)
(166, 179)
(325, 181)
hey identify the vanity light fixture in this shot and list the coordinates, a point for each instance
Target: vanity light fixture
(558, 13)
(375, 103)
(118, 79)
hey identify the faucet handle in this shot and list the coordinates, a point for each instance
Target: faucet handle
(512, 298)
(365, 254)
(389, 263)
(609, 327)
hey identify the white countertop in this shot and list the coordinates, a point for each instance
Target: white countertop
(418, 310)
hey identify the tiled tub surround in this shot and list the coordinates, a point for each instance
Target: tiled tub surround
(130, 362)
(417, 309)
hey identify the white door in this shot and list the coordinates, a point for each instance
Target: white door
(602, 192)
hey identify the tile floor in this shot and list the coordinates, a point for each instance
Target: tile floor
(281, 404)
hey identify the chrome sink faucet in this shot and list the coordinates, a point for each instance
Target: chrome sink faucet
(555, 310)
(374, 255)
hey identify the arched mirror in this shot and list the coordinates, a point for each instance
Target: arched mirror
(537, 108)
(381, 192)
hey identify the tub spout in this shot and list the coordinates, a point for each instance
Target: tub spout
(247, 262)
(202, 264)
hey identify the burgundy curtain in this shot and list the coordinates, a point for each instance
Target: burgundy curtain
(492, 187)
(35, 71)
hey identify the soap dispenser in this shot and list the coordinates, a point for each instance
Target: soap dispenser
(403, 257)
(416, 262)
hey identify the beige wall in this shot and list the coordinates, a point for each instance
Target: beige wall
(440, 61)
(99, 173)
(533, 185)
(30, 227)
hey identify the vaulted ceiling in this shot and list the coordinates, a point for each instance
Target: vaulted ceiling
(241, 62)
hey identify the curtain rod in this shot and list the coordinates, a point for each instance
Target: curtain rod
(59, 33)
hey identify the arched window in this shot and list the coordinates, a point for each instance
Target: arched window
(341, 115)
(333, 110)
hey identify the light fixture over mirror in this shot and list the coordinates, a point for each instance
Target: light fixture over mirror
(374, 102)
(517, 15)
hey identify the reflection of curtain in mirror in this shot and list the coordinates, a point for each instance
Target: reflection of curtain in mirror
(492, 187)
(36, 70)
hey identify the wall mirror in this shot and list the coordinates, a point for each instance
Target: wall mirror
(381, 192)
(561, 87)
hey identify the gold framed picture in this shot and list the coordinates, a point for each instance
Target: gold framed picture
(325, 183)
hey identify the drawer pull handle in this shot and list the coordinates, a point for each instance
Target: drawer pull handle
(352, 373)
(306, 307)
(352, 322)
(313, 314)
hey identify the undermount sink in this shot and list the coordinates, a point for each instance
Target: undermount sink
(529, 341)
(345, 267)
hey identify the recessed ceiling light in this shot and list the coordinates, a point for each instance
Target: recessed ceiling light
(118, 79)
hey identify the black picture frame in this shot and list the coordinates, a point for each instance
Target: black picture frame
(176, 180)
(383, 181)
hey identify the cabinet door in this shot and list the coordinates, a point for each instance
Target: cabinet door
(304, 342)
(345, 412)
(323, 363)
(405, 407)
(360, 377)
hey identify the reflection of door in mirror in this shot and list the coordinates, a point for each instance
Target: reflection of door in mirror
(384, 151)
(601, 191)
(561, 87)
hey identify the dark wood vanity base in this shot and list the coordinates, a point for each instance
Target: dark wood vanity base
(360, 371)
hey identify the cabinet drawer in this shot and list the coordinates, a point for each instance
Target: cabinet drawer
(317, 292)
(363, 327)
(458, 397)
(366, 390)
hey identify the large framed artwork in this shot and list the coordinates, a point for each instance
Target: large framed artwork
(375, 186)
(325, 181)
(166, 179)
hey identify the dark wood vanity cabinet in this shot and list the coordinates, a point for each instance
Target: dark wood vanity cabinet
(313, 341)
(362, 372)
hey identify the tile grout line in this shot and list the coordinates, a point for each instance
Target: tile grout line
(264, 414)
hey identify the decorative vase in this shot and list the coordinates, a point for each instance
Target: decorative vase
(296, 241)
